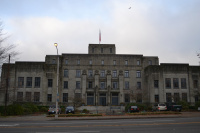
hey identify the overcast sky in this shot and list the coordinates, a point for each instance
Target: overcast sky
(169, 29)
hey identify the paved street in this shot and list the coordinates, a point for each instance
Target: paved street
(184, 123)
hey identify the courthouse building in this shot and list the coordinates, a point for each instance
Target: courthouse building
(100, 78)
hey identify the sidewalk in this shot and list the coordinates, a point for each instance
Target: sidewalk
(44, 118)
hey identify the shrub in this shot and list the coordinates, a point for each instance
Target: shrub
(43, 109)
(15, 109)
(197, 104)
(85, 111)
(185, 105)
(31, 106)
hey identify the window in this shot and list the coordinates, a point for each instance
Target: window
(138, 74)
(184, 97)
(54, 61)
(65, 84)
(92, 50)
(29, 82)
(90, 98)
(78, 84)
(138, 62)
(102, 85)
(156, 84)
(176, 97)
(115, 86)
(102, 99)
(37, 82)
(139, 98)
(175, 83)
(90, 84)
(19, 96)
(90, 73)
(156, 98)
(138, 85)
(20, 82)
(90, 62)
(114, 62)
(183, 83)
(168, 97)
(28, 96)
(196, 98)
(168, 83)
(101, 50)
(126, 85)
(110, 50)
(50, 82)
(65, 97)
(102, 62)
(115, 99)
(114, 74)
(66, 73)
(36, 96)
(102, 73)
(49, 97)
(78, 62)
(126, 74)
(127, 98)
(150, 62)
(78, 73)
(126, 62)
(195, 83)
(66, 61)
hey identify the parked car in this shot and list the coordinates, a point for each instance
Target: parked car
(159, 107)
(174, 107)
(133, 109)
(69, 109)
(52, 110)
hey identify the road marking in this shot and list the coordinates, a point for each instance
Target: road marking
(4, 125)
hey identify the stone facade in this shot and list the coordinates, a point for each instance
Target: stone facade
(99, 78)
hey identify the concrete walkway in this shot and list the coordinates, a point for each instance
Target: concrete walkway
(42, 117)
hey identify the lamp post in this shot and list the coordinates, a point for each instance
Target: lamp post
(57, 95)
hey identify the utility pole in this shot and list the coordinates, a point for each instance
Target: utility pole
(7, 85)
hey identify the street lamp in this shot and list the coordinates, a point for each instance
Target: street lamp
(57, 95)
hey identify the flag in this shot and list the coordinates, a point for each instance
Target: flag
(99, 36)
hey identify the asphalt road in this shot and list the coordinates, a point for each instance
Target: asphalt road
(150, 125)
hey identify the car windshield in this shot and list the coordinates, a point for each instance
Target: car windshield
(69, 108)
(161, 104)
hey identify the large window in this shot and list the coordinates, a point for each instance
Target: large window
(49, 97)
(66, 73)
(78, 84)
(114, 74)
(65, 84)
(138, 74)
(168, 83)
(90, 73)
(195, 83)
(90, 85)
(156, 84)
(184, 97)
(168, 97)
(175, 83)
(126, 62)
(78, 73)
(114, 62)
(78, 62)
(138, 62)
(50, 82)
(19, 96)
(20, 82)
(37, 82)
(102, 73)
(127, 98)
(156, 98)
(90, 98)
(102, 85)
(176, 97)
(102, 99)
(139, 85)
(66, 61)
(115, 99)
(90, 62)
(126, 85)
(115, 85)
(28, 96)
(126, 73)
(183, 83)
(102, 62)
(29, 82)
(36, 96)
(65, 97)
